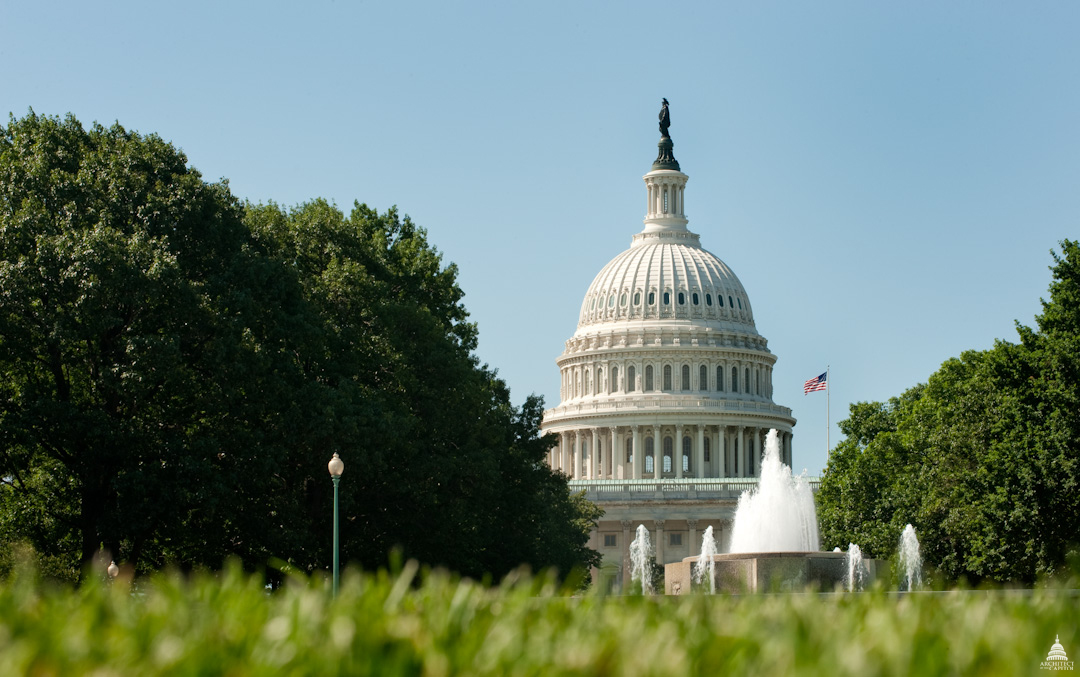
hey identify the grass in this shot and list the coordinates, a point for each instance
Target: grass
(423, 623)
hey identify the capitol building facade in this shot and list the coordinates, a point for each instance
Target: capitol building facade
(666, 388)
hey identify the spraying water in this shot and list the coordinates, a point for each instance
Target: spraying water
(778, 516)
(856, 570)
(641, 560)
(705, 566)
(910, 560)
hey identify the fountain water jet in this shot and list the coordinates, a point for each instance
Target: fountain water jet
(641, 560)
(856, 570)
(779, 516)
(910, 560)
(705, 566)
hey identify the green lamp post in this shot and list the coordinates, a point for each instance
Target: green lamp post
(336, 466)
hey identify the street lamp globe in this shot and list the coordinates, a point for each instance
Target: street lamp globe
(336, 466)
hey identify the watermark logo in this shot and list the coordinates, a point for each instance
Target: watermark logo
(1056, 659)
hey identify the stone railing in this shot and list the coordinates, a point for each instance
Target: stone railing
(687, 404)
(667, 489)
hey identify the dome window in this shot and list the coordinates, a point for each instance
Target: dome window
(631, 379)
(720, 300)
(648, 378)
(669, 451)
(708, 300)
(593, 304)
(685, 377)
(695, 298)
(652, 298)
(667, 377)
(740, 303)
(707, 450)
(730, 302)
(703, 378)
(682, 299)
(622, 300)
(667, 298)
(611, 301)
(686, 454)
(637, 298)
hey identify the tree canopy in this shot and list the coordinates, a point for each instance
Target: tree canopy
(984, 459)
(176, 368)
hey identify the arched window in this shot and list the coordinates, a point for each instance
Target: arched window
(695, 298)
(740, 303)
(599, 380)
(611, 301)
(667, 298)
(669, 451)
(637, 298)
(629, 449)
(746, 380)
(622, 299)
(708, 300)
(686, 454)
(720, 299)
(707, 449)
(588, 383)
(667, 377)
(649, 445)
(686, 377)
(614, 380)
(682, 299)
(648, 378)
(703, 378)
(734, 379)
(631, 379)
(719, 379)
(757, 382)
(652, 298)
(730, 302)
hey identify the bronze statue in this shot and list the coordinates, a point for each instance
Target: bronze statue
(665, 119)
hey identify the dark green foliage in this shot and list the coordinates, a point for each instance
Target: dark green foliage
(983, 459)
(177, 368)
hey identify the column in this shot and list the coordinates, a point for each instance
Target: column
(659, 534)
(657, 454)
(626, 525)
(740, 450)
(677, 455)
(757, 453)
(579, 437)
(699, 453)
(691, 525)
(615, 455)
(638, 452)
(594, 455)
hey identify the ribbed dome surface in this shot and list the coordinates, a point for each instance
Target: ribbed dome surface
(665, 278)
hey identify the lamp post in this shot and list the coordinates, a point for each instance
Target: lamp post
(336, 466)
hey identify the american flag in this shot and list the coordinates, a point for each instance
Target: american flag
(816, 383)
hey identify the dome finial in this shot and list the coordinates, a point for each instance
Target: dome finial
(666, 158)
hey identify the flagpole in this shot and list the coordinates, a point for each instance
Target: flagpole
(828, 422)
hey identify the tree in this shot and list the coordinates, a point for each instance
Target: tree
(176, 368)
(983, 459)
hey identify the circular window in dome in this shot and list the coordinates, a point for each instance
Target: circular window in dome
(708, 299)
(695, 298)
(652, 298)
(667, 298)
(622, 300)
(682, 299)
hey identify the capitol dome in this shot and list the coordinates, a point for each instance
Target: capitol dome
(666, 392)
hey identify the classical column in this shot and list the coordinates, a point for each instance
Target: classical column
(691, 525)
(757, 453)
(699, 452)
(659, 538)
(657, 454)
(626, 526)
(614, 453)
(638, 451)
(677, 455)
(740, 450)
(594, 455)
(579, 437)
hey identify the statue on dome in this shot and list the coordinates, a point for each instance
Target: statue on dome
(665, 118)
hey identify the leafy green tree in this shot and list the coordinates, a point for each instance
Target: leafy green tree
(176, 369)
(983, 459)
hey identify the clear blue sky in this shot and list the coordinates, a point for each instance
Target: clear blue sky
(886, 178)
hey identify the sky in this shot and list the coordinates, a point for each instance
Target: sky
(886, 179)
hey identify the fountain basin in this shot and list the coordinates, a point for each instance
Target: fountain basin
(750, 572)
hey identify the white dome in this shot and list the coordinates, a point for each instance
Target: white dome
(660, 279)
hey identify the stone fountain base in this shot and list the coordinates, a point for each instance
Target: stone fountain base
(771, 572)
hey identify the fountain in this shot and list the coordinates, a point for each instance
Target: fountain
(856, 570)
(641, 560)
(705, 566)
(910, 560)
(774, 541)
